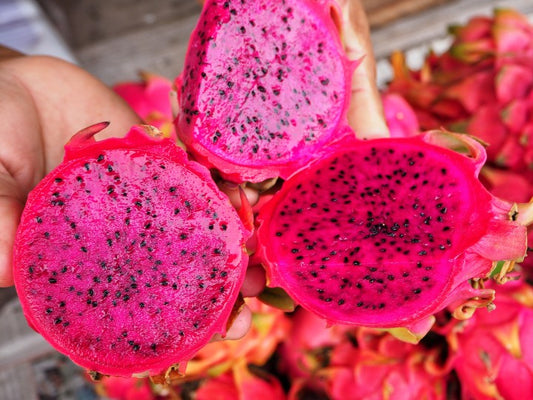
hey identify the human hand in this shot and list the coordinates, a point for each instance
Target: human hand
(365, 114)
(44, 102)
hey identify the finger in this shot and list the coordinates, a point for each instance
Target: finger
(241, 325)
(365, 114)
(10, 209)
(232, 191)
(254, 282)
(68, 99)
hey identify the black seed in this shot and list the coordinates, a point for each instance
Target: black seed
(417, 291)
(52, 280)
(340, 302)
(57, 321)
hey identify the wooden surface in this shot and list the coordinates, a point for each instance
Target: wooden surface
(381, 12)
(114, 39)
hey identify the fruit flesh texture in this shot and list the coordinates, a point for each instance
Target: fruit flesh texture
(128, 260)
(374, 234)
(264, 87)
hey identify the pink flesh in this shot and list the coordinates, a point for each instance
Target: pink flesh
(372, 231)
(264, 88)
(133, 243)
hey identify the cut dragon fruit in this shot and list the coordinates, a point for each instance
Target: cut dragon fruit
(128, 258)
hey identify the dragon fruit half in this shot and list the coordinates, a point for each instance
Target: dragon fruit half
(128, 258)
(265, 87)
(386, 232)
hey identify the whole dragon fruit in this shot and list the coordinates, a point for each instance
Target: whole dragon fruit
(493, 352)
(399, 115)
(265, 86)
(347, 362)
(119, 388)
(128, 258)
(386, 232)
(383, 367)
(242, 382)
(269, 328)
(151, 99)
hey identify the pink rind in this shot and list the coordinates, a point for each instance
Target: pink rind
(83, 145)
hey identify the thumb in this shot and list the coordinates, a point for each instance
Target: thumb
(11, 207)
(365, 114)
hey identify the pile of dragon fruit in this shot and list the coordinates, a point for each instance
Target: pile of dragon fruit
(395, 268)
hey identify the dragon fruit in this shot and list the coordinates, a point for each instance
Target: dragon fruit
(265, 86)
(347, 362)
(243, 382)
(386, 232)
(400, 116)
(385, 368)
(308, 344)
(493, 352)
(128, 258)
(269, 328)
(119, 388)
(151, 100)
